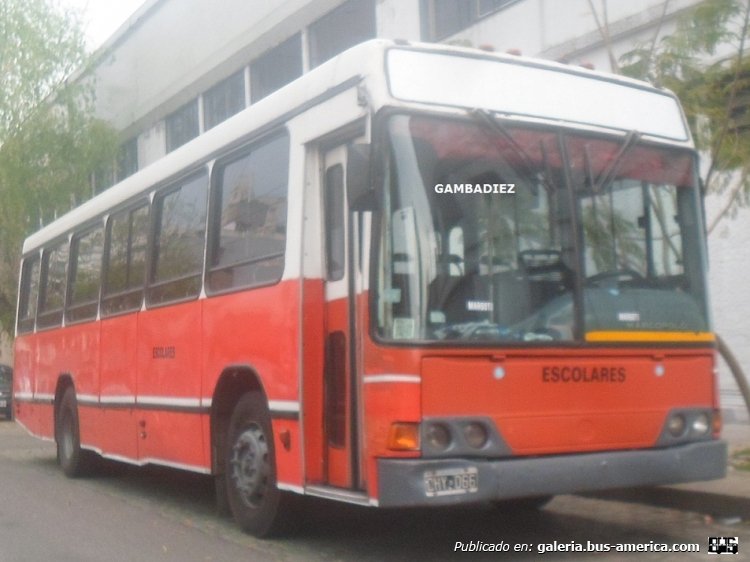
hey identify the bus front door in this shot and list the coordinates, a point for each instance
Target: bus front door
(339, 387)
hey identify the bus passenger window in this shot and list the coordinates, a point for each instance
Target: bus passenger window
(85, 276)
(248, 230)
(29, 294)
(126, 265)
(54, 270)
(178, 242)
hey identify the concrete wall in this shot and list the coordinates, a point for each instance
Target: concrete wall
(729, 269)
(172, 51)
(567, 30)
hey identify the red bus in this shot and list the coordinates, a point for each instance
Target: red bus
(419, 275)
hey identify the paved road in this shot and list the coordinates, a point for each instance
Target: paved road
(128, 514)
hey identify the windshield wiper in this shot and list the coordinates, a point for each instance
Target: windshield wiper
(609, 175)
(486, 119)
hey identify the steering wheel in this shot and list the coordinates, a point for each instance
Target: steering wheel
(615, 275)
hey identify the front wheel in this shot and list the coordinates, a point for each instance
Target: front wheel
(73, 460)
(255, 501)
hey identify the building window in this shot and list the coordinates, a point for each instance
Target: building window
(182, 125)
(276, 68)
(344, 27)
(442, 18)
(224, 100)
(103, 177)
(127, 159)
(485, 7)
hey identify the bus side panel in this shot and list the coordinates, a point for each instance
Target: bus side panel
(50, 365)
(119, 338)
(79, 357)
(24, 382)
(391, 393)
(313, 366)
(169, 384)
(259, 329)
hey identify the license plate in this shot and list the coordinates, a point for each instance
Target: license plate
(3, 403)
(451, 481)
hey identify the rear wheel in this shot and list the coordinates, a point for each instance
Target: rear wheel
(73, 460)
(256, 503)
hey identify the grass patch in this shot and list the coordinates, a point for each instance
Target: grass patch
(740, 459)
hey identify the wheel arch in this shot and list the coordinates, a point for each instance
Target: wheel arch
(233, 382)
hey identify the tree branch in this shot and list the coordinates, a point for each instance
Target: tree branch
(603, 28)
(719, 141)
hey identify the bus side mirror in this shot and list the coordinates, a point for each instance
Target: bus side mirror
(358, 186)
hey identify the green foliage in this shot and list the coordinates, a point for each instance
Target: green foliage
(49, 140)
(40, 46)
(705, 62)
(740, 459)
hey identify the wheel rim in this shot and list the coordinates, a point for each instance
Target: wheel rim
(249, 466)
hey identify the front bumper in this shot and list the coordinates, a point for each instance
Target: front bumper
(405, 482)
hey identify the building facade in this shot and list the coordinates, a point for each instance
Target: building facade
(177, 68)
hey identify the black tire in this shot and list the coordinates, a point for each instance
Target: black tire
(256, 503)
(222, 497)
(73, 460)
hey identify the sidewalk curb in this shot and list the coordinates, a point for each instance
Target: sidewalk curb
(719, 506)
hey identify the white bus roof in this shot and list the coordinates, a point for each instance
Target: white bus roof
(400, 73)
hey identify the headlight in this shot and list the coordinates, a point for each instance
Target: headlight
(475, 434)
(438, 436)
(701, 424)
(676, 425)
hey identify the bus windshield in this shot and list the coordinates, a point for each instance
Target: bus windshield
(513, 233)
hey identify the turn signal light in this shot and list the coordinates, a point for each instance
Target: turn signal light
(717, 423)
(403, 436)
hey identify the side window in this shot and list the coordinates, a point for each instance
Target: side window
(29, 294)
(334, 221)
(85, 275)
(127, 237)
(180, 232)
(249, 218)
(54, 271)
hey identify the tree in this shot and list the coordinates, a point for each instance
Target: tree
(49, 140)
(705, 62)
